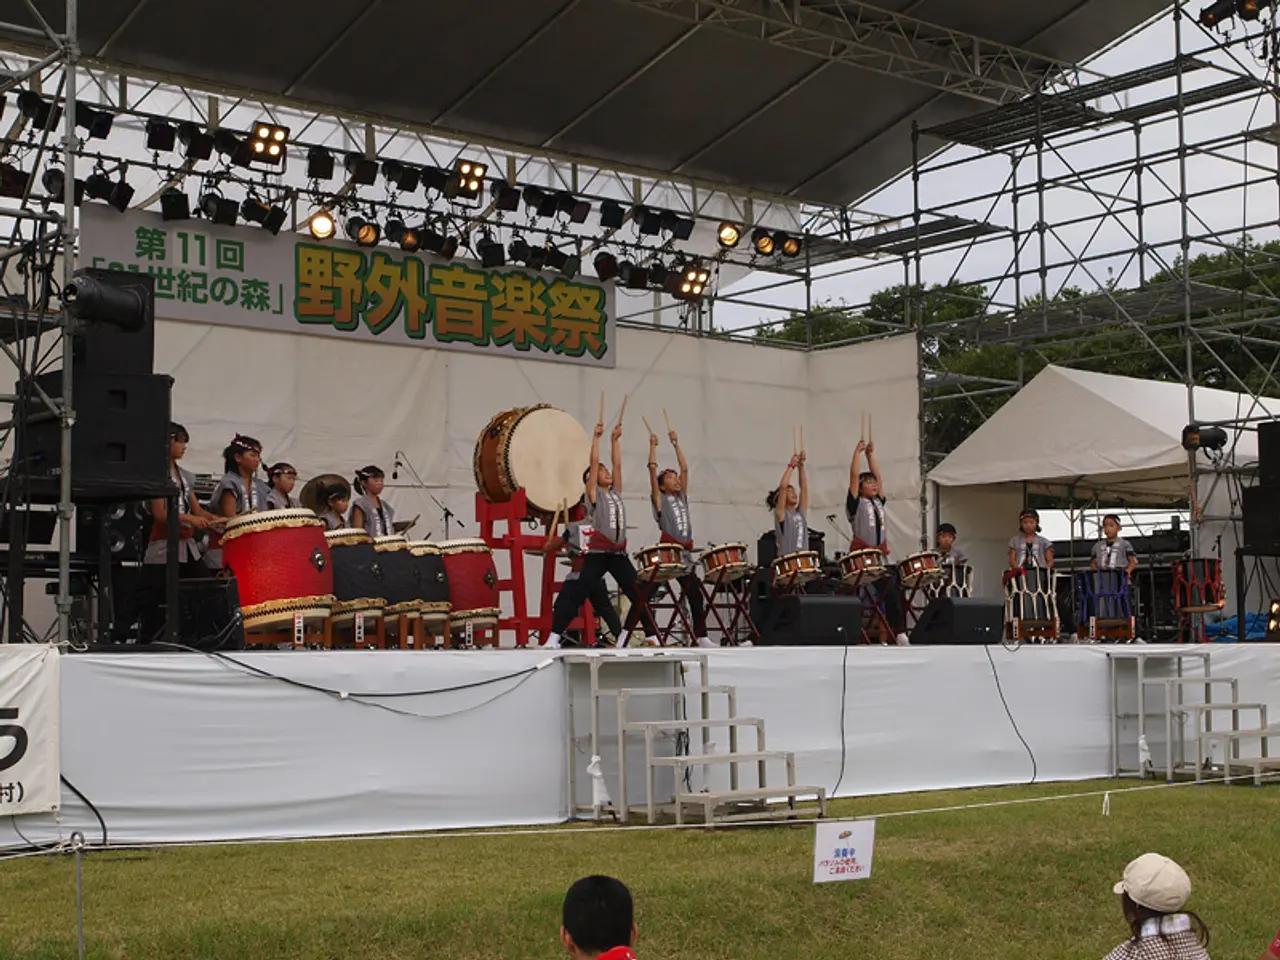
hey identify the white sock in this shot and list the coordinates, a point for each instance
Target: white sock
(553, 642)
(707, 642)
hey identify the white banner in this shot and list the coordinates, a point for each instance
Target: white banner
(291, 283)
(29, 713)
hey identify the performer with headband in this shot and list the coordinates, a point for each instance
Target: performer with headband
(572, 594)
(1114, 552)
(239, 491)
(191, 518)
(791, 510)
(282, 477)
(336, 500)
(607, 548)
(864, 508)
(370, 511)
(1028, 549)
(669, 492)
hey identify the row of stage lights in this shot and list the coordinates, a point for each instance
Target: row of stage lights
(1223, 10)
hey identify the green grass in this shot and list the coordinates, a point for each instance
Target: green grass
(1029, 880)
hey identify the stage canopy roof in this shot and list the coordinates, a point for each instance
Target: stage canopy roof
(1095, 435)
(799, 98)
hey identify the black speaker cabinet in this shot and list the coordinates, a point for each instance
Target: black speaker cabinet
(962, 620)
(119, 444)
(767, 548)
(209, 614)
(128, 527)
(1269, 453)
(102, 347)
(812, 621)
(1260, 508)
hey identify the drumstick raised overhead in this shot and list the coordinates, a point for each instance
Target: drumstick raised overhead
(645, 421)
(666, 418)
(802, 448)
(623, 412)
(862, 432)
(601, 417)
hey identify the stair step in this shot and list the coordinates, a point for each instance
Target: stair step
(1226, 706)
(1184, 681)
(697, 724)
(754, 757)
(1271, 731)
(752, 793)
(667, 691)
(1253, 762)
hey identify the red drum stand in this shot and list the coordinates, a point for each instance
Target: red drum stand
(738, 608)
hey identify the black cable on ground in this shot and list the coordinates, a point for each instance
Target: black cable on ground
(1009, 713)
(88, 803)
(844, 689)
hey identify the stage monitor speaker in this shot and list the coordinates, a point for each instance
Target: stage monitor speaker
(209, 614)
(959, 620)
(128, 529)
(1260, 511)
(800, 620)
(1269, 453)
(119, 444)
(119, 314)
(767, 548)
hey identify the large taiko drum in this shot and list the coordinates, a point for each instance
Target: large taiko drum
(540, 449)
(357, 580)
(473, 584)
(399, 576)
(433, 580)
(282, 566)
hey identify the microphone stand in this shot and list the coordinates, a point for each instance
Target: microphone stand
(831, 519)
(447, 515)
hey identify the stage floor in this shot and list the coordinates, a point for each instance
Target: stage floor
(185, 747)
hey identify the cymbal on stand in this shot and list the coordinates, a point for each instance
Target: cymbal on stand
(315, 495)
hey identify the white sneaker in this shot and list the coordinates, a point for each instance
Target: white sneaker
(903, 640)
(708, 643)
(552, 642)
(746, 643)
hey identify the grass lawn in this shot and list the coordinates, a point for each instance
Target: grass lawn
(1024, 881)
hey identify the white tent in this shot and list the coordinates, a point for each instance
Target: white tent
(1096, 437)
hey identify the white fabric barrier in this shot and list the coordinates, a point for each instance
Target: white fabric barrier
(184, 747)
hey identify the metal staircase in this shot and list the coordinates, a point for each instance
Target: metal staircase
(670, 757)
(1189, 707)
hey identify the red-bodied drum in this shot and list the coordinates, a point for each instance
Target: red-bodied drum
(796, 569)
(861, 567)
(356, 582)
(725, 563)
(920, 569)
(1197, 585)
(539, 449)
(473, 583)
(281, 563)
(660, 563)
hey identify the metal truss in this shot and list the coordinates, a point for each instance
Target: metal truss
(870, 38)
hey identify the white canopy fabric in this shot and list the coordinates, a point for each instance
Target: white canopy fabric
(1099, 436)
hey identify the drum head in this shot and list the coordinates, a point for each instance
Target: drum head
(547, 454)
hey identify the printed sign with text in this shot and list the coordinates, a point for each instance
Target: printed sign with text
(842, 850)
(29, 716)
(291, 283)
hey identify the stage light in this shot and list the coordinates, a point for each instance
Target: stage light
(542, 203)
(633, 276)
(161, 135)
(321, 224)
(762, 240)
(566, 264)
(1197, 437)
(606, 265)
(98, 186)
(319, 164)
(439, 244)
(658, 274)
(688, 281)
(197, 145)
(729, 235)
(13, 181)
(226, 142)
(490, 252)
(648, 221)
(433, 178)
(680, 228)
(364, 232)
(174, 205)
(402, 175)
(96, 123)
(1252, 9)
(505, 196)
(611, 214)
(269, 217)
(789, 245)
(267, 142)
(1216, 12)
(54, 181)
(537, 258)
(1273, 622)
(577, 210)
(116, 193)
(406, 238)
(42, 114)
(218, 209)
(468, 178)
(361, 170)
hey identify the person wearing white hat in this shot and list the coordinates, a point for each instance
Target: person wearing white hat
(1153, 894)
